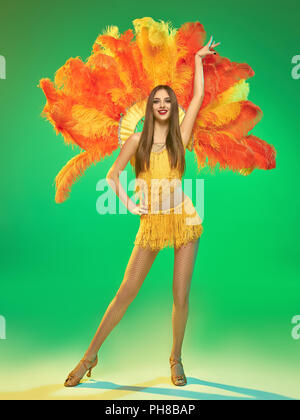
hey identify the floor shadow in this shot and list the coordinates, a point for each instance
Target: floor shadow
(151, 387)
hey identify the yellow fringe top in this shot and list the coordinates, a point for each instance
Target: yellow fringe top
(158, 183)
(171, 219)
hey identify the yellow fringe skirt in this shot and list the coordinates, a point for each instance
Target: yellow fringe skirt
(177, 227)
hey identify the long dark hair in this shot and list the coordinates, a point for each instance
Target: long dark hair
(174, 143)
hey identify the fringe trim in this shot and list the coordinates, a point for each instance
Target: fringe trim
(172, 230)
(160, 171)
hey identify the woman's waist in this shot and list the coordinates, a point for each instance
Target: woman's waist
(163, 199)
(165, 183)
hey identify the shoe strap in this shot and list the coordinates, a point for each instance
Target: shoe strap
(179, 377)
(174, 362)
(83, 361)
(90, 362)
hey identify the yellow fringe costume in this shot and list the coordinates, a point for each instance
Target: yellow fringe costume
(172, 220)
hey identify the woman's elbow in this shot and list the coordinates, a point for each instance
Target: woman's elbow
(111, 177)
(110, 174)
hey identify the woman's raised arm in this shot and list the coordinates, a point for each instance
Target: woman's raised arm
(189, 119)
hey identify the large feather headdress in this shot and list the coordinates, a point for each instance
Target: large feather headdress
(99, 103)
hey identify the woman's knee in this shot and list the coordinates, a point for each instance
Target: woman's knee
(125, 296)
(181, 300)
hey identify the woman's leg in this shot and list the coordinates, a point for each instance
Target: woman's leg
(184, 261)
(139, 264)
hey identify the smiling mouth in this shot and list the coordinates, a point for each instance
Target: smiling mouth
(162, 112)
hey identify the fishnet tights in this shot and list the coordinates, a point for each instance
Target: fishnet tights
(184, 262)
(139, 264)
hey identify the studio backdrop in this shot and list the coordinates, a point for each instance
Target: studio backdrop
(63, 258)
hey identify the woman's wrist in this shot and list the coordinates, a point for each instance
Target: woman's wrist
(130, 204)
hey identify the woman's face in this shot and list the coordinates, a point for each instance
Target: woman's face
(161, 105)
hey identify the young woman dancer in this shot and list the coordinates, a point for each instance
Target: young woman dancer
(158, 153)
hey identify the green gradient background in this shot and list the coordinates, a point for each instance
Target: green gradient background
(61, 264)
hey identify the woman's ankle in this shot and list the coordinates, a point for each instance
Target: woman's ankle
(90, 356)
(175, 356)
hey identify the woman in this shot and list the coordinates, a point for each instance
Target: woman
(158, 150)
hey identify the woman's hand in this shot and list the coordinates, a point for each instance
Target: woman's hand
(138, 209)
(206, 50)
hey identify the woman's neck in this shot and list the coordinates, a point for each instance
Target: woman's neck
(160, 133)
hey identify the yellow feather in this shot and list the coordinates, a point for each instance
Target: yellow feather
(238, 92)
(90, 122)
(219, 116)
(156, 42)
(112, 31)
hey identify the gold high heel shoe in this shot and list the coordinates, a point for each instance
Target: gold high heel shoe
(178, 380)
(73, 379)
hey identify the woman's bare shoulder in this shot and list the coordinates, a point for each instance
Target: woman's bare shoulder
(134, 139)
(127, 151)
(138, 136)
(131, 144)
